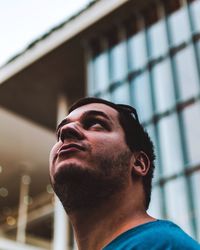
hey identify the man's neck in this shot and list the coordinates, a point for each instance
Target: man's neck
(96, 227)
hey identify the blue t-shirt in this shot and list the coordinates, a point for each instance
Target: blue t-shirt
(156, 235)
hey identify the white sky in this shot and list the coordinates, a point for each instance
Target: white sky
(23, 21)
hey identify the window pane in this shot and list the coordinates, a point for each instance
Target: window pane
(195, 182)
(101, 72)
(121, 94)
(163, 86)
(170, 146)
(198, 49)
(105, 96)
(118, 62)
(179, 26)
(141, 93)
(176, 202)
(137, 51)
(158, 39)
(155, 205)
(187, 73)
(191, 118)
(195, 6)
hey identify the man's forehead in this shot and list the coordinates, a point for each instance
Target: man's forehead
(111, 112)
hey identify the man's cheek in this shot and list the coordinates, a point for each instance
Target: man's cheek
(52, 156)
(108, 147)
(54, 149)
(50, 160)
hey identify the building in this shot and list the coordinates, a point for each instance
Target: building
(144, 53)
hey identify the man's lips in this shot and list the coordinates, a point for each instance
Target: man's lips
(72, 147)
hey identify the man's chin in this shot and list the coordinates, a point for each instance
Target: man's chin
(63, 165)
(74, 185)
(81, 188)
(68, 171)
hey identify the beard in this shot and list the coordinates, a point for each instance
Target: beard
(82, 188)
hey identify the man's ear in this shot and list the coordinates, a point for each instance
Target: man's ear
(140, 163)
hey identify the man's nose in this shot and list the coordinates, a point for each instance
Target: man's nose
(71, 131)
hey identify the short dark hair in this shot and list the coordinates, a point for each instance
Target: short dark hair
(136, 136)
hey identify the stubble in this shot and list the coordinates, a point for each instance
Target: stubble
(81, 188)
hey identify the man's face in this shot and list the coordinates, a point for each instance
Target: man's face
(91, 150)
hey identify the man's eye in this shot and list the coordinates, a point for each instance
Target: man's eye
(95, 123)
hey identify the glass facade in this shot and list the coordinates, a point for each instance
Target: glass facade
(152, 61)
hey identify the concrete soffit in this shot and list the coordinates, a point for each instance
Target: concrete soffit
(88, 17)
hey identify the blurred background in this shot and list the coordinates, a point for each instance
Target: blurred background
(140, 52)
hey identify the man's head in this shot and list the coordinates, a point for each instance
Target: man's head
(97, 142)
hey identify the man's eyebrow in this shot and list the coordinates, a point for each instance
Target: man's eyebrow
(84, 115)
(96, 113)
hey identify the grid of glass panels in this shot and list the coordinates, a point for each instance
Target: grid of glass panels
(153, 63)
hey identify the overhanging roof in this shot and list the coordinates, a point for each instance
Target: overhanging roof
(30, 84)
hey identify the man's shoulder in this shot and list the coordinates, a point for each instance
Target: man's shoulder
(157, 235)
(169, 233)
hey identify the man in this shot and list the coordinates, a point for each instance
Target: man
(101, 169)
